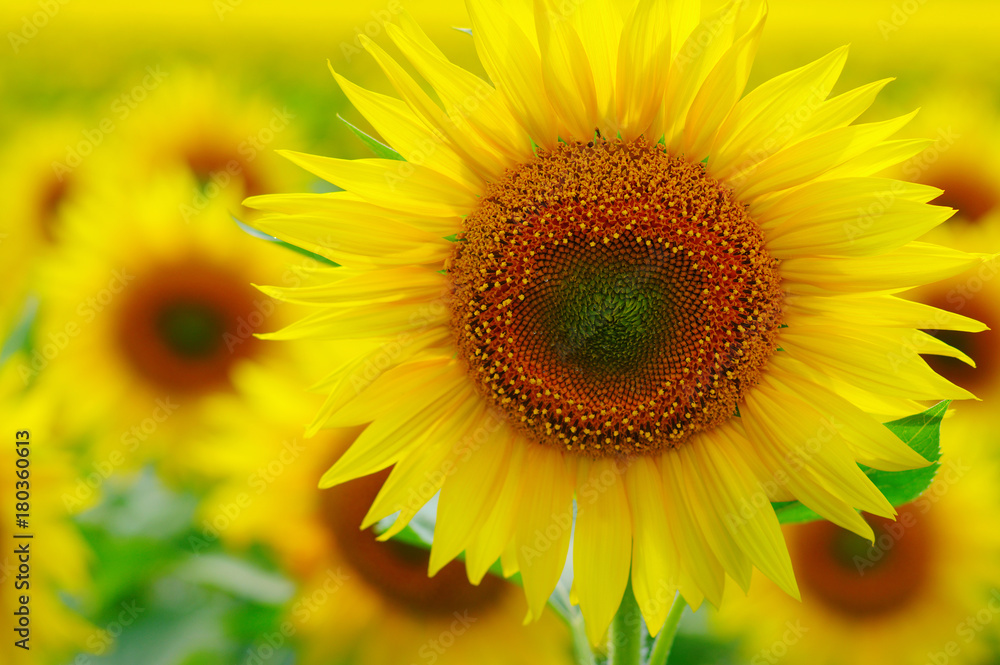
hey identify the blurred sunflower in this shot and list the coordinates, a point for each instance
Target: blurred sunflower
(57, 557)
(143, 316)
(193, 120)
(359, 600)
(964, 161)
(40, 171)
(924, 591)
(594, 264)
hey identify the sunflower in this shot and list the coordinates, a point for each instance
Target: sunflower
(143, 316)
(187, 118)
(924, 591)
(39, 175)
(57, 558)
(357, 600)
(626, 285)
(963, 162)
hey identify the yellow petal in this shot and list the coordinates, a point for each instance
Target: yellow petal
(413, 139)
(497, 530)
(695, 60)
(871, 443)
(643, 65)
(378, 320)
(860, 221)
(700, 564)
(350, 380)
(811, 198)
(602, 544)
(544, 523)
(655, 561)
(722, 87)
(480, 155)
(389, 438)
(513, 65)
(877, 360)
(876, 310)
(566, 72)
(347, 205)
(421, 473)
(791, 465)
(467, 98)
(391, 183)
(348, 287)
(741, 503)
(704, 506)
(759, 124)
(911, 265)
(599, 25)
(881, 157)
(381, 395)
(467, 497)
(808, 159)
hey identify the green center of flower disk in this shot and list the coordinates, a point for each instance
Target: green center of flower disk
(860, 579)
(191, 329)
(613, 299)
(183, 326)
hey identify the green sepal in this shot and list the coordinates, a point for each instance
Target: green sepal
(380, 149)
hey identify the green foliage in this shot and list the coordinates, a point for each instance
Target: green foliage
(920, 432)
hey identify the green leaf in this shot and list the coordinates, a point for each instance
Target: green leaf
(246, 228)
(380, 149)
(20, 337)
(920, 432)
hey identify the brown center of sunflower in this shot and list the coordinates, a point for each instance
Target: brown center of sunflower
(219, 166)
(53, 193)
(184, 325)
(612, 299)
(982, 347)
(861, 579)
(966, 190)
(396, 570)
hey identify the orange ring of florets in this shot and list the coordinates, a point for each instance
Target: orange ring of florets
(613, 299)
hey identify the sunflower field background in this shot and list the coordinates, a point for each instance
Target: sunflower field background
(174, 506)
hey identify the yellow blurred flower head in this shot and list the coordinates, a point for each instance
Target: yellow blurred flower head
(356, 598)
(926, 589)
(144, 315)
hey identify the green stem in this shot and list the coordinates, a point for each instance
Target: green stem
(626, 632)
(665, 639)
(581, 645)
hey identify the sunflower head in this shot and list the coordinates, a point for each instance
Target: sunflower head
(606, 277)
(612, 299)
